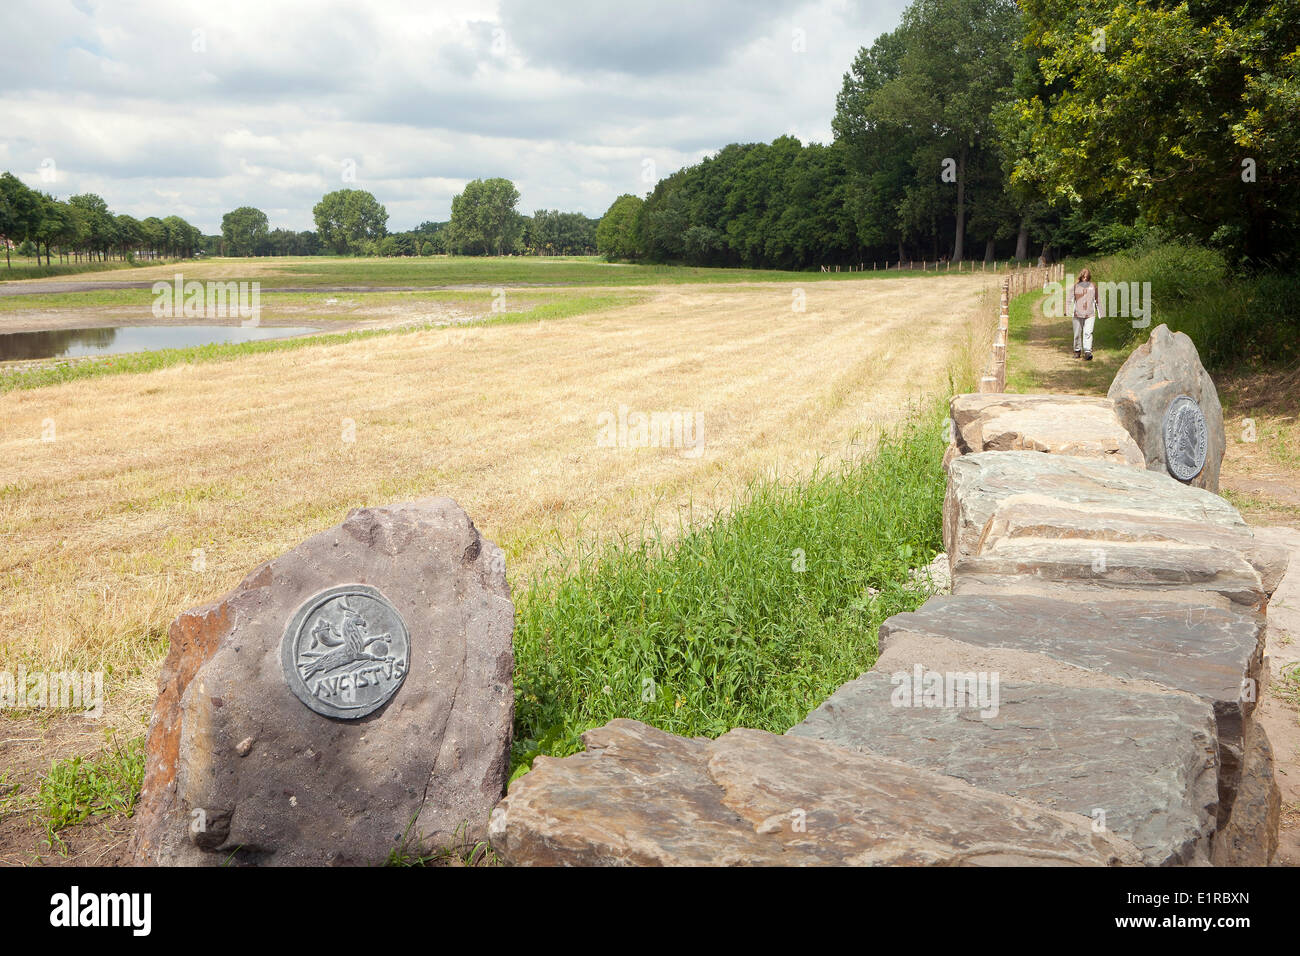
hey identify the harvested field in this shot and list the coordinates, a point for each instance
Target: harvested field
(159, 491)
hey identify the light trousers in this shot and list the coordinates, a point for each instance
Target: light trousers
(1083, 332)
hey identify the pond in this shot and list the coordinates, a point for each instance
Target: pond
(110, 340)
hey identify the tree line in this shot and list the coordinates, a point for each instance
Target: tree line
(484, 221)
(990, 129)
(84, 227)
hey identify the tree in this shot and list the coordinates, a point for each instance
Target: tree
(18, 207)
(616, 235)
(347, 220)
(129, 234)
(936, 81)
(483, 217)
(99, 229)
(244, 230)
(1188, 111)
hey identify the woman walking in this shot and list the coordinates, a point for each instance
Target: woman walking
(1084, 306)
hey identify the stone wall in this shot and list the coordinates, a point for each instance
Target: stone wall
(1085, 695)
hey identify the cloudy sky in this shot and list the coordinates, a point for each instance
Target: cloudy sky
(195, 108)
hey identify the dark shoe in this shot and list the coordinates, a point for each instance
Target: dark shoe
(1077, 353)
(1087, 356)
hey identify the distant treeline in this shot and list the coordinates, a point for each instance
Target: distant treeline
(483, 221)
(83, 227)
(987, 129)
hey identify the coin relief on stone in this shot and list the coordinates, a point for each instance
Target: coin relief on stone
(1186, 437)
(346, 651)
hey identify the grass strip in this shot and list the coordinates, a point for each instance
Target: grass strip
(749, 621)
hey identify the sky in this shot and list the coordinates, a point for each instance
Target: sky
(196, 108)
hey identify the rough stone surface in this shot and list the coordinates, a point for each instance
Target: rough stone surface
(1074, 425)
(1207, 651)
(1041, 518)
(1158, 371)
(979, 484)
(1250, 835)
(1122, 566)
(639, 796)
(1059, 518)
(934, 578)
(279, 784)
(1147, 761)
(1079, 591)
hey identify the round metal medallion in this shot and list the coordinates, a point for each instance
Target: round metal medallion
(346, 651)
(1186, 435)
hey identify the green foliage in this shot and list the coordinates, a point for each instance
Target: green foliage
(244, 230)
(721, 628)
(348, 219)
(78, 788)
(780, 205)
(1235, 321)
(553, 233)
(931, 89)
(483, 218)
(1164, 105)
(617, 234)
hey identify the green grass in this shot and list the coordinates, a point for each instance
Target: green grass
(29, 271)
(56, 373)
(79, 788)
(721, 629)
(143, 299)
(522, 271)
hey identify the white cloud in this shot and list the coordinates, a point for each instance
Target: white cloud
(196, 109)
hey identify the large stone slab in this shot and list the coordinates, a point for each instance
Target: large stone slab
(1121, 566)
(1211, 652)
(1061, 519)
(1158, 371)
(1038, 517)
(240, 770)
(1143, 765)
(979, 484)
(1075, 425)
(639, 796)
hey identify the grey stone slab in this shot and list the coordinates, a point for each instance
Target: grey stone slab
(979, 484)
(1155, 567)
(639, 796)
(1076, 425)
(1143, 765)
(1211, 652)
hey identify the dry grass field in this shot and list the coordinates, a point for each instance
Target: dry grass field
(128, 498)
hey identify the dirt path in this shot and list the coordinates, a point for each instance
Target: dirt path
(1260, 476)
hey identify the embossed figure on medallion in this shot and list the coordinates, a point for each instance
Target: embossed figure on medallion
(346, 651)
(1186, 437)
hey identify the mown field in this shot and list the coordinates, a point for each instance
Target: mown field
(312, 271)
(132, 494)
(244, 456)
